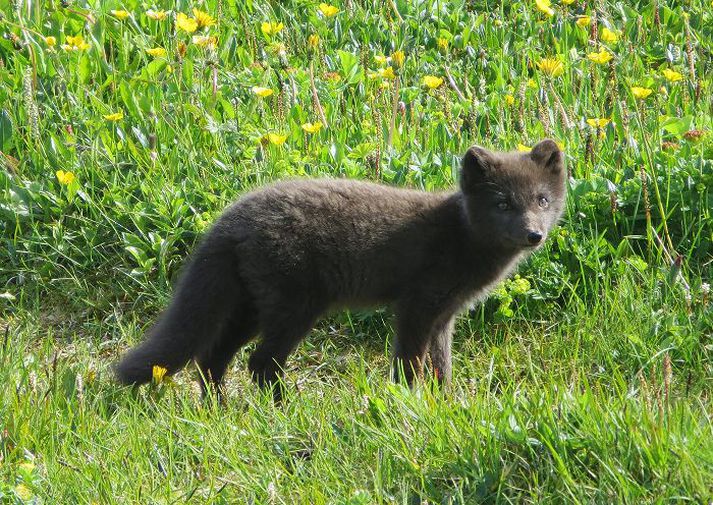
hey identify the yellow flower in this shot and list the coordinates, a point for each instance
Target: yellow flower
(531, 84)
(598, 122)
(261, 92)
(509, 100)
(158, 373)
(442, 44)
(203, 18)
(65, 178)
(156, 15)
(156, 52)
(545, 6)
(387, 73)
(271, 28)
(523, 148)
(672, 75)
(640, 92)
(398, 58)
(120, 15)
(381, 59)
(75, 43)
(23, 492)
(51, 41)
(276, 138)
(205, 41)
(313, 41)
(568, 2)
(117, 116)
(431, 81)
(601, 57)
(328, 10)
(583, 21)
(183, 22)
(609, 36)
(312, 127)
(551, 66)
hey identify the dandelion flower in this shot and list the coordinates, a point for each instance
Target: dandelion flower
(523, 148)
(116, 116)
(640, 92)
(432, 82)
(203, 18)
(601, 57)
(156, 52)
(598, 122)
(583, 21)
(545, 6)
(65, 178)
(568, 2)
(312, 127)
(51, 41)
(328, 10)
(551, 66)
(509, 100)
(271, 28)
(381, 59)
(531, 84)
(442, 44)
(158, 373)
(205, 41)
(156, 15)
(313, 41)
(387, 73)
(276, 138)
(398, 58)
(672, 75)
(120, 15)
(608, 35)
(183, 22)
(261, 92)
(76, 43)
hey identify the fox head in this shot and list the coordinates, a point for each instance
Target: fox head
(514, 199)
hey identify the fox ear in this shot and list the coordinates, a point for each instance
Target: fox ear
(547, 154)
(476, 166)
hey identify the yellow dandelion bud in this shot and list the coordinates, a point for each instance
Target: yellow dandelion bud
(116, 116)
(509, 100)
(431, 81)
(312, 127)
(156, 52)
(186, 24)
(203, 18)
(442, 44)
(205, 41)
(261, 92)
(51, 41)
(583, 21)
(120, 14)
(271, 28)
(598, 122)
(158, 373)
(387, 73)
(600, 58)
(551, 66)
(523, 148)
(609, 36)
(672, 75)
(545, 6)
(313, 41)
(65, 178)
(156, 15)
(398, 58)
(640, 93)
(328, 10)
(276, 138)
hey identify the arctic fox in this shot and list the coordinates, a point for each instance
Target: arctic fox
(282, 256)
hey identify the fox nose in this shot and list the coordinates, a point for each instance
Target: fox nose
(534, 237)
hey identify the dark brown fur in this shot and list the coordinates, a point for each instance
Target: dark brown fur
(282, 256)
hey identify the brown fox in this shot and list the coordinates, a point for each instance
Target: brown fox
(282, 256)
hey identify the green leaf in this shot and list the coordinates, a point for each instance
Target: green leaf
(5, 130)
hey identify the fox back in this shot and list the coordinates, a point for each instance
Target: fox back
(282, 256)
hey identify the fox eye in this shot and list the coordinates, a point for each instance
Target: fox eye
(503, 205)
(543, 202)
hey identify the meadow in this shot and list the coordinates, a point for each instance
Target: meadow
(126, 127)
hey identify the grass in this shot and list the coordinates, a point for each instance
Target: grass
(587, 379)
